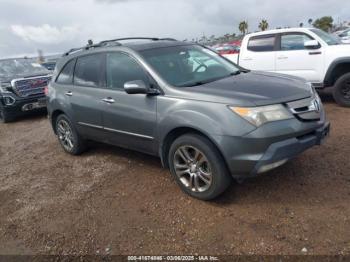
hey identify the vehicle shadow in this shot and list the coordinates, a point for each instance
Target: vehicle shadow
(30, 116)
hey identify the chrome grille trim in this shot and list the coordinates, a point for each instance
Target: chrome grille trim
(306, 109)
(23, 86)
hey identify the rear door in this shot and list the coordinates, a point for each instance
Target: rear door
(129, 120)
(86, 94)
(259, 53)
(294, 59)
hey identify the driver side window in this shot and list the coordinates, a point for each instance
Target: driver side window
(122, 68)
(290, 42)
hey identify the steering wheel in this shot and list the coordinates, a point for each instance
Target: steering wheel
(199, 67)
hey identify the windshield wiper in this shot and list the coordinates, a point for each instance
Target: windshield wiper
(199, 83)
(235, 73)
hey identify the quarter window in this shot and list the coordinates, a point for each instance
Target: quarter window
(65, 77)
(88, 70)
(294, 41)
(262, 43)
(121, 68)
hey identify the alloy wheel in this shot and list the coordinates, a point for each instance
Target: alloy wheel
(193, 168)
(65, 135)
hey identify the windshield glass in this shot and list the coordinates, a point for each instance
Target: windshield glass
(328, 38)
(20, 67)
(189, 65)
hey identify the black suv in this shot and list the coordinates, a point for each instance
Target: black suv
(22, 85)
(206, 118)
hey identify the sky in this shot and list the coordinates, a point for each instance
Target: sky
(55, 26)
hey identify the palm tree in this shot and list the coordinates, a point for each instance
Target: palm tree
(263, 25)
(243, 27)
(310, 21)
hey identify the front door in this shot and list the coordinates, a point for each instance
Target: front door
(294, 59)
(129, 120)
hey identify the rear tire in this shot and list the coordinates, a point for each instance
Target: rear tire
(198, 167)
(341, 91)
(68, 137)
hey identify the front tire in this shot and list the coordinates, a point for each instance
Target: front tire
(68, 137)
(4, 117)
(341, 92)
(198, 167)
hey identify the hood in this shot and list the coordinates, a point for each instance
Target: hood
(251, 89)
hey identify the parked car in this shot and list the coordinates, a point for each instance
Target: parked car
(344, 36)
(50, 65)
(22, 84)
(227, 49)
(312, 54)
(206, 118)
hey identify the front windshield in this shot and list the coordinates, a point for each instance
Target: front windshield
(328, 38)
(189, 65)
(11, 67)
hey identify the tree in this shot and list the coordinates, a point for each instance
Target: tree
(301, 25)
(324, 23)
(264, 25)
(243, 27)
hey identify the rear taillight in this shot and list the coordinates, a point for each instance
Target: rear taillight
(46, 90)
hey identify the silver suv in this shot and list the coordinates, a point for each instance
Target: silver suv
(206, 118)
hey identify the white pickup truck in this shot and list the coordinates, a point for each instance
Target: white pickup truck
(310, 53)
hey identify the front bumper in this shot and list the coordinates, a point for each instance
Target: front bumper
(279, 153)
(22, 105)
(270, 146)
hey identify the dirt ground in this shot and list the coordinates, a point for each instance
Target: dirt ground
(114, 201)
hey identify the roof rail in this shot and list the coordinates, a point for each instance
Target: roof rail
(136, 38)
(116, 41)
(73, 50)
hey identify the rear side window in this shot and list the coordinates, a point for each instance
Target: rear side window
(122, 68)
(262, 43)
(66, 75)
(294, 41)
(88, 70)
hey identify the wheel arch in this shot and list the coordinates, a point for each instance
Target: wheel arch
(337, 68)
(54, 116)
(173, 134)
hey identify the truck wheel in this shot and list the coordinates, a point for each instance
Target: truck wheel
(198, 167)
(4, 117)
(341, 92)
(68, 137)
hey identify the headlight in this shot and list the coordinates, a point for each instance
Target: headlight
(4, 86)
(263, 114)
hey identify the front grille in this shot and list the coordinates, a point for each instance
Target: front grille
(30, 86)
(308, 109)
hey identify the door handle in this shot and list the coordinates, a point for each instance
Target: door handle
(108, 100)
(315, 53)
(69, 93)
(247, 58)
(282, 57)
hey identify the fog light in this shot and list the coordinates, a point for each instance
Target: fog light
(8, 100)
(269, 167)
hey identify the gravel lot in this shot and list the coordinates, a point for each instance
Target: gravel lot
(115, 201)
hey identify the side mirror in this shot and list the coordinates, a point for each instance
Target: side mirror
(312, 44)
(136, 87)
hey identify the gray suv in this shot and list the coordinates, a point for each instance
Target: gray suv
(206, 118)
